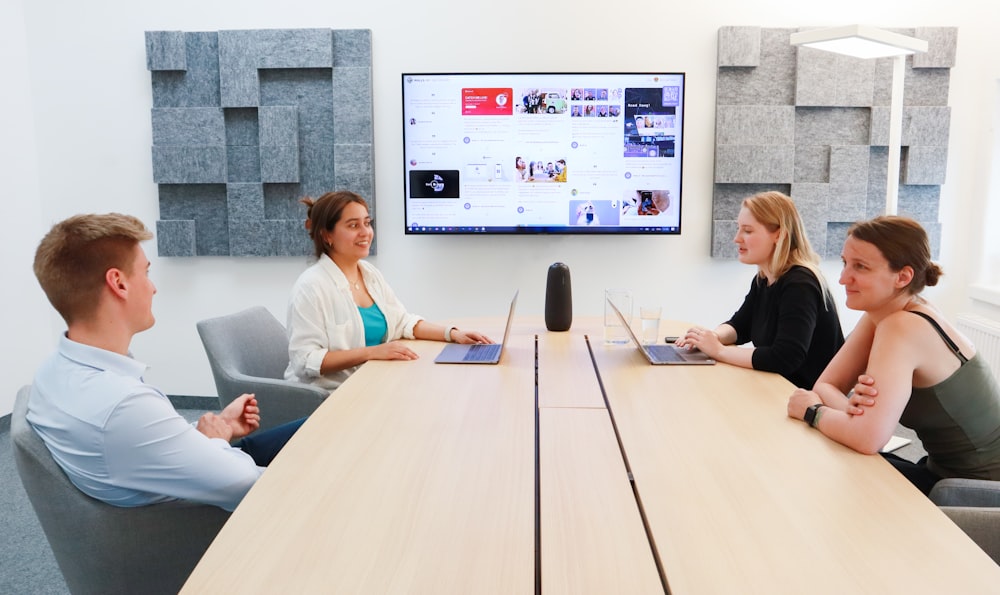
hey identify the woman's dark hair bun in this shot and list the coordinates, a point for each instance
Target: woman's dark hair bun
(933, 274)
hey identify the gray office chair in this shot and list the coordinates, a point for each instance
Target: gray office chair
(248, 352)
(102, 548)
(974, 505)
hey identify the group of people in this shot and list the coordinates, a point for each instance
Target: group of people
(591, 110)
(120, 440)
(903, 362)
(539, 171)
(589, 94)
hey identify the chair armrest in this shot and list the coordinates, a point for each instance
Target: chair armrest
(982, 525)
(278, 387)
(966, 492)
(279, 400)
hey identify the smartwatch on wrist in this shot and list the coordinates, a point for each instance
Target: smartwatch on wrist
(810, 416)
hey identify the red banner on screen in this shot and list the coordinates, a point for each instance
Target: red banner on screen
(487, 102)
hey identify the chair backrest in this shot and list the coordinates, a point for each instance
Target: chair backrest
(251, 342)
(248, 353)
(102, 548)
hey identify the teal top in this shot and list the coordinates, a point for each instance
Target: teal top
(375, 325)
(958, 419)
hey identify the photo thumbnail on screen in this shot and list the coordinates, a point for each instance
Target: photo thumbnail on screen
(648, 203)
(540, 170)
(437, 183)
(593, 213)
(650, 122)
(543, 101)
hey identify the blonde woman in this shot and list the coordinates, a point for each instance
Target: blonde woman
(788, 313)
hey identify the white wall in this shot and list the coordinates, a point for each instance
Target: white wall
(26, 333)
(90, 94)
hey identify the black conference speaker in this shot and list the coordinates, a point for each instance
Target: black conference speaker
(558, 299)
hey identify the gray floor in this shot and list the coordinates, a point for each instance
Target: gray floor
(27, 566)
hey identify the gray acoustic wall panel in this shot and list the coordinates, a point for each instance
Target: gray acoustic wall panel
(771, 82)
(205, 204)
(354, 169)
(245, 123)
(754, 164)
(243, 164)
(176, 237)
(352, 47)
(834, 165)
(828, 79)
(921, 126)
(812, 163)
(921, 86)
(813, 203)
(848, 184)
(279, 144)
(941, 44)
(279, 125)
(165, 50)
(739, 46)
(191, 126)
(243, 53)
(925, 165)
(189, 165)
(198, 84)
(755, 125)
(279, 164)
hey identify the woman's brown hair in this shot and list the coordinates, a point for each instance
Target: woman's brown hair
(903, 242)
(323, 213)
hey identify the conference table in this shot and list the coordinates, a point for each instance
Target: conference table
(576, 467)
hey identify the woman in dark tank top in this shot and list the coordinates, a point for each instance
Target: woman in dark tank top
(904, 354)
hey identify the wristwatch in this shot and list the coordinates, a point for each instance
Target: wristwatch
(810, 416)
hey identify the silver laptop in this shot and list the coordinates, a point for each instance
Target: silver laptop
(663, 355)
(454, 353)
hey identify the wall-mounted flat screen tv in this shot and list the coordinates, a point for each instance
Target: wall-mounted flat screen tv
(561, 153)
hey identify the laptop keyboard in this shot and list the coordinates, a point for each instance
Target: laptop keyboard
(482, 353)
(664, 353)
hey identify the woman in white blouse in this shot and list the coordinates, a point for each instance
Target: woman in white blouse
(342, 312)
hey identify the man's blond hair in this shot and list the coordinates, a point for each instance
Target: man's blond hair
(73, 258)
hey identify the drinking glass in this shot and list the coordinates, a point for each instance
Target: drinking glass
(650, 317)
(614, 333)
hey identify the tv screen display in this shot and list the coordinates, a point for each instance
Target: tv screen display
(565, 153)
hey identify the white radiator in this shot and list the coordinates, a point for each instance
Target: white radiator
(985, 335)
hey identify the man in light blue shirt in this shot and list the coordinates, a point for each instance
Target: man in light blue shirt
(117, 438)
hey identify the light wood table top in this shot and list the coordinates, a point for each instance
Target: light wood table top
(566, 374)
(411, 478)
(740, 498)
(592, 535)
(421, 478)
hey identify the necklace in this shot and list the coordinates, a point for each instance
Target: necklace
(356, 284)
